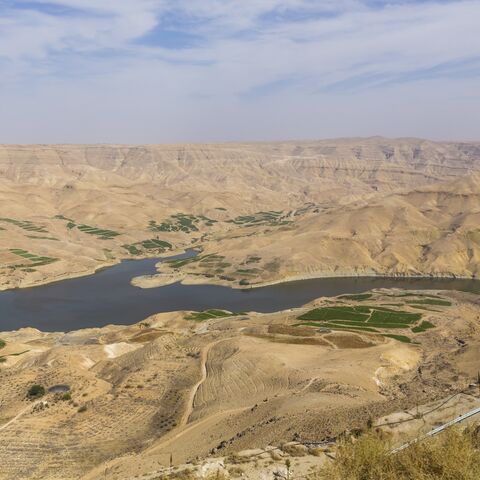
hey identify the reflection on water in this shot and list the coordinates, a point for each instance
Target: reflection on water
(108, 298)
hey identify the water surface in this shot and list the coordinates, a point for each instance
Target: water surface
(107, 297)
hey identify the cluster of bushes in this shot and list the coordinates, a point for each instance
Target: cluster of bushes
(453, 455)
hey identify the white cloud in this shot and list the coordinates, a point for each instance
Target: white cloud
(255, 67)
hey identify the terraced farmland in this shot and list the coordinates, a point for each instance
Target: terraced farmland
(101, 233)
(209, 314)
(151, 244)
(181, 222)
(25, 225)
(36, 260)
(375, 319)
(270, 218)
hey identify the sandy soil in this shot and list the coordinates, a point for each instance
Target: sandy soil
(215, 388)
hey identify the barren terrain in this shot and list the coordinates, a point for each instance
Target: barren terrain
(186, 385)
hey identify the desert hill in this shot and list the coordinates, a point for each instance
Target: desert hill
(69, 210)
(428, 230)
(119, 400)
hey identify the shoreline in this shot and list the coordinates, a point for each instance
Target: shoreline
(88, 272)
(155, 280)
(187, 279)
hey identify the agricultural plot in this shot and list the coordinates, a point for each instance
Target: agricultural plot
(209, 264)
(181, 222)
(271, 218)
(151, 244)
(209, 314)
(102, 234)
(431, 301)
(36, 260)
(365, 318)
(25, 225)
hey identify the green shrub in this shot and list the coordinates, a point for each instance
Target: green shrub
(453, 455)
(36, 391)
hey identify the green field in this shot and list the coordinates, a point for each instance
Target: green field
(37, 260)
(25, 225)
(431, 301)
(151, 244)
(101, 233)
(213, 313)
(181, 222)
(400, 338)
(271, 218)
(368, 318)
(423, 327)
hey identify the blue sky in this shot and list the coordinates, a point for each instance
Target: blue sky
(156, 71)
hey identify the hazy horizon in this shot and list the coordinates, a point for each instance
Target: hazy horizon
(207, 71)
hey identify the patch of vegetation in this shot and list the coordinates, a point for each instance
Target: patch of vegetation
(62, 217)
(35, 237)
(423, 327)
(400, 338)
(452, 455)
(37, 260)
(362, 317)
(181, 222)
(336, 326)
(432, 301)
(25, 225)
(334, 313)
(394, 317)
(252, 259)
(271, 218)
(98, 232)
(101, 233)
(82, 409)
(151, 244)
(36, 391)
(212, 313)
(2, 343)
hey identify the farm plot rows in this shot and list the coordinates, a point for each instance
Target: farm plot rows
(25, 225)
(36, 260)
(151, 244)
(101, 233)
(375, 319)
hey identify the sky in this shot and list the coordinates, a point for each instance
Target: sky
(169, 71)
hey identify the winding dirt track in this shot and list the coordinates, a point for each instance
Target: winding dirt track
(23, 412)
(193, 393)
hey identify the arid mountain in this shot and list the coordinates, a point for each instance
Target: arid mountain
(322, 207)
(430, 230)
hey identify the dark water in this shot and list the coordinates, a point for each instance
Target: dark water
(108, 298)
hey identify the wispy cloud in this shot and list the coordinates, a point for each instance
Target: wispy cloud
(165, 58)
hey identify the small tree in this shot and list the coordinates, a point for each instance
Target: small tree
(36, 391)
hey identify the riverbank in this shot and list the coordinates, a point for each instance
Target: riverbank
(163, 279)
